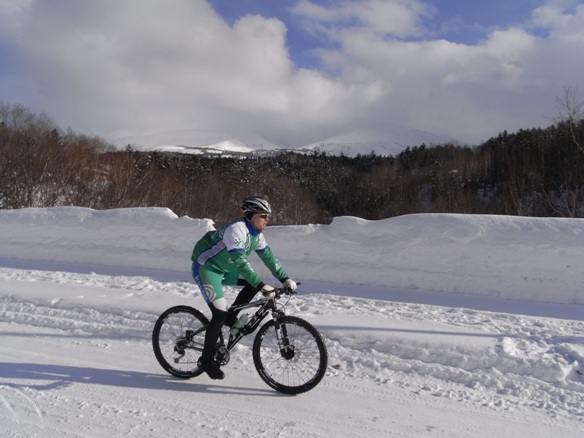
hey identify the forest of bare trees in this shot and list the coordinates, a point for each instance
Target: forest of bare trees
(532, 172)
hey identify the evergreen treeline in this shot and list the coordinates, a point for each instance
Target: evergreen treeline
(535, 172)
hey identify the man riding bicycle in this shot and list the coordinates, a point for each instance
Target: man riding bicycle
(221, 257)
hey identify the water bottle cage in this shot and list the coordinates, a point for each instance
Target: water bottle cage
(252, 324)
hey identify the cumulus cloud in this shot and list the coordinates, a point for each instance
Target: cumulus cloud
(506, 81)
(116, 68)
(120, 68)
(401, 18)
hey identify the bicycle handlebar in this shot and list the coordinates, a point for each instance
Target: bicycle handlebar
(284, 291)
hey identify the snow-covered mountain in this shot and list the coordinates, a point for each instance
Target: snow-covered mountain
(389, 139)
(195, 141)
(386, 140)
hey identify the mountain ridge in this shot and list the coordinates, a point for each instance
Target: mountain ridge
(385, 140)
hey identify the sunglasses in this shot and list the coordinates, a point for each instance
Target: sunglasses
(265, 215)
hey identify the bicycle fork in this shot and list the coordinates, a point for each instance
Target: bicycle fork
(287, 350)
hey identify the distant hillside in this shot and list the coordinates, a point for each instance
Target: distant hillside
(535, 172)
(381, 140)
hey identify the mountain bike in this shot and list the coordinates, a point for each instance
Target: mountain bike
(289, 354)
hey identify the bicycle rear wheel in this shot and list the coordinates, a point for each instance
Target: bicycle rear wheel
(177, 339)
(297, 367)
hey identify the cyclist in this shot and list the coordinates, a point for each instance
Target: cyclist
(221, 257)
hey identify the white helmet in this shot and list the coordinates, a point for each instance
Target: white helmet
(254, 205)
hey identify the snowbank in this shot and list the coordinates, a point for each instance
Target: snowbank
(532, 259)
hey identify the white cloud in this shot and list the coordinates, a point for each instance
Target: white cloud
(565, 24)
(398, 17)
(471, 91)
(134, 67)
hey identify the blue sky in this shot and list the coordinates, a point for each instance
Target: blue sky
(463, 21)
(288, 72)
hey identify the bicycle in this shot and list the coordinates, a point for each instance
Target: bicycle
(289, 354)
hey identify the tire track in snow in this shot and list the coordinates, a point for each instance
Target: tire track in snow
(76, 320)
(525, 362)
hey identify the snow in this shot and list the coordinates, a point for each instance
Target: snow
(221, 148)
(436, 325)
(190, 141)
(386, 139)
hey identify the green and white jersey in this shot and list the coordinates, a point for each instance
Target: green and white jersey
(227, 250)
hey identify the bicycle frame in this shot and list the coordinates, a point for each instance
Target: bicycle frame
(266, 305)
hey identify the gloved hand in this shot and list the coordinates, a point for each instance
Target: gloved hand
(290, 284)
(268, 291)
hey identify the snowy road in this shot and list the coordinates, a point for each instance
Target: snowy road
(76, 361)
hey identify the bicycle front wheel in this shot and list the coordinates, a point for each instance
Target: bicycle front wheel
(296, 365)
(178, 338)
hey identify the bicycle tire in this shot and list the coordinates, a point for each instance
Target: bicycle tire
(303, 369)
(171, 328)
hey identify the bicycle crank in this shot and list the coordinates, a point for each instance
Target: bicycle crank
(222, 355)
